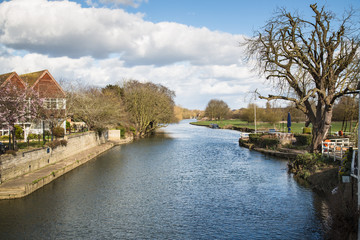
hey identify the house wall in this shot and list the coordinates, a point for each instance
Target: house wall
(15, 81)
(48, 88)
(24, 162)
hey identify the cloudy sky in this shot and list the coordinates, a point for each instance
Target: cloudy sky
(189, 46)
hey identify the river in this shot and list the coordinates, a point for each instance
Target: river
(186, 183)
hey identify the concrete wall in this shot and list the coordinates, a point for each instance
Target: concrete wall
(24, 162)
(114, 135)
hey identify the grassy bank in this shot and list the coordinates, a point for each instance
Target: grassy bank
(323, 176)
(295, 127)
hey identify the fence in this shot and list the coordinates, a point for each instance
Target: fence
(335, 148)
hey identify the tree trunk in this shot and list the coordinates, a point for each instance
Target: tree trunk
(13, 139)
(9, 140)
(320, 129)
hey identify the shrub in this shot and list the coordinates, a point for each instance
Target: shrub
(265, 141)
(254, 138)
(269, 142)
(54, 144)
(68, 126)
(13, 152)
(47, 133)
(63, 142)
(32, 136)
(133, 130)
(58, 132)
(345, 167)
(4, 138)
(19, 133)
(303, 139)
(306, 130)
(305, 164)
(122, 131)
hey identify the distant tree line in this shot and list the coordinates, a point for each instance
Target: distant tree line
(345, 111)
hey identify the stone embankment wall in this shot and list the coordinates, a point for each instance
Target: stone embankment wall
(25, 162)
(115, 136)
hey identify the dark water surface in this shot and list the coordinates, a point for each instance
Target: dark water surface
(190, 183)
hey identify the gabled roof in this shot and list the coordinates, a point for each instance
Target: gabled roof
(34, 81)
(4, 77)
(31, 78)
(9, 77)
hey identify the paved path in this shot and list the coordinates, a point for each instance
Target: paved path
(28, 183)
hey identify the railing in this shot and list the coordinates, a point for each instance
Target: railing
(335, 148)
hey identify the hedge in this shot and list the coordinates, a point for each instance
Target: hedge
(306, 130)
(303, 139)
(263, 142)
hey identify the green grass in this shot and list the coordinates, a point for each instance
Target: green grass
(264, 126)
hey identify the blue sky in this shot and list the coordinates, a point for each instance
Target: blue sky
(233, 16)
(190, 46)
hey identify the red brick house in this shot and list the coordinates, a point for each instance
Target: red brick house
(49, 89)
(13, 79)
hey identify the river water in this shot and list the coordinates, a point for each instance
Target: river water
(187, 183)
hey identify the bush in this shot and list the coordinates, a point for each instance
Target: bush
(32, 136)
(306, 130)
(19, 133)
(68, 126)
(264, 141)
(47, 133)
(122, 131)
(133, 130)
(63, 142)
(254, 138)
(345, 167)
(13, 152)
(269, 142)
(305, 164)
(54, 144)
(4, 138)
(303, 139)
(58, 132)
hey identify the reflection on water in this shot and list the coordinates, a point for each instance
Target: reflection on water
(187, 183)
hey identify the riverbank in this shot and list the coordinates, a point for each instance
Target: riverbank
(322, 176)
(26, 184)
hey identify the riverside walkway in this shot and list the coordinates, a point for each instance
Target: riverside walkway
(30, 182)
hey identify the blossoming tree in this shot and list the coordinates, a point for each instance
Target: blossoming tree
(16, 106)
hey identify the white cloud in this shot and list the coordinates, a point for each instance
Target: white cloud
(216, 87)
(104, 46)
(66, 29)
(194, 85)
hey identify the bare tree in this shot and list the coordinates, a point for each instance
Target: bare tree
(18, 105)
(310, 61)
(150, 106)
(96, 108)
